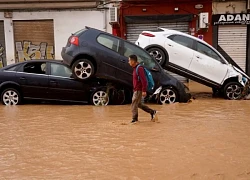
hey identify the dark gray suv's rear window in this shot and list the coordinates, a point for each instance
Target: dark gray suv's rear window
(80, 31)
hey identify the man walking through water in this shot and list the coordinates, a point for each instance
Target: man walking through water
(139, 91)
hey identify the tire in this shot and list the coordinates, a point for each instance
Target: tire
(83, 69)
(233, 91)
(159, 55)
(100, 98)
(118, 96)
(168, 95)
(10, 96)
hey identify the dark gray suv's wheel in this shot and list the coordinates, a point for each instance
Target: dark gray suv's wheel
(233, 91)
(10, 96)
(83, 69)
(158, 54)
(168, 95)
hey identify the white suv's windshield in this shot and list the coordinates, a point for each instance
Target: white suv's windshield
(143, 57)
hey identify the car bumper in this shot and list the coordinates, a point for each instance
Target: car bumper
(184, 94)
(67, 59)
(185, 97)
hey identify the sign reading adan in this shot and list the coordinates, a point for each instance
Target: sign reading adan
(231, 19)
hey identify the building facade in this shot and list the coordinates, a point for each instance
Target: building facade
(231, 27)
(40, 30)
(182, 15)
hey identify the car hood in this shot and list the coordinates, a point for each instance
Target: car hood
(238, 70)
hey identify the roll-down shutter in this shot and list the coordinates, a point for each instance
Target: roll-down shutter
(133, 31)
(2, 46)
(34, 39)
(232, 39)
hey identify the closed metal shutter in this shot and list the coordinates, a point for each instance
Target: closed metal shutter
(2, 46)
(233, 40)
(133, 31)
(34, 39)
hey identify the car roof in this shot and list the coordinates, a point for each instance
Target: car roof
(172, 31)
(103, 32)
(33, 60)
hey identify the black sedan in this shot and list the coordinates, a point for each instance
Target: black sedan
(51, 80)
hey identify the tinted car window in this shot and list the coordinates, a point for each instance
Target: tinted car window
(207, 51)
(60, 70)
(185, 41)
(143, 57)
(13, 68)
(35, 68)
(80, 31)
(109, 42)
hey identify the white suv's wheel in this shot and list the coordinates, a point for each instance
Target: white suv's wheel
(83, 69)
(158, 54)
(100, 98)
(168, 95)
(10, 96)
(233, 91)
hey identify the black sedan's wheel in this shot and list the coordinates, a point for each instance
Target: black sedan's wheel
(83, 69)
(10, 96)
(158, 54)
(100, 98)
(233, 91)
(168, 95)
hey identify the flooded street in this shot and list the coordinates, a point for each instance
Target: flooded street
(205, 139)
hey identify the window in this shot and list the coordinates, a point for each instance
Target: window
(80, 31)
(35, 68)
(143, 57)
(207, 51)
(13, 68)
(109, 42)
(60, 70)
(185, 41)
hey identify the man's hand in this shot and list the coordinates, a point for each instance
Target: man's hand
(144, 94)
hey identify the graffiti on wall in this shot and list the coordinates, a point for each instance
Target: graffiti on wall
(27, 51)
(1, 55)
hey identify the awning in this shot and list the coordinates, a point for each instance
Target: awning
(45, 4)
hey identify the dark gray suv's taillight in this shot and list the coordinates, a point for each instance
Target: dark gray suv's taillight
(74, 40)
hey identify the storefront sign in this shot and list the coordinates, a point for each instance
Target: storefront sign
(231, 19)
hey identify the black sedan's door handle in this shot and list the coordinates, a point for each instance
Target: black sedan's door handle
(123, 60)
(53, 82)
(22, 78)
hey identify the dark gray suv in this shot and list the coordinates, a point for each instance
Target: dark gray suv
(94, 53)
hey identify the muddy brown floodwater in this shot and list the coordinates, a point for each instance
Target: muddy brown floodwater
(205, 139)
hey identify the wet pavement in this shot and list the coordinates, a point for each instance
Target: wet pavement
(205, 139)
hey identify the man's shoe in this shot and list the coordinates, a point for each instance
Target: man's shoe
(134, 121)
(154, 116)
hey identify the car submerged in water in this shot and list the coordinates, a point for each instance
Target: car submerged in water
(93, 53)
(195, 59)
(50, 80)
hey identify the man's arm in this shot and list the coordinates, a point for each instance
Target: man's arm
(143, 79)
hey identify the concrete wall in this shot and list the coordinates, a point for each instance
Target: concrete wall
(229, 6)
(65, 23)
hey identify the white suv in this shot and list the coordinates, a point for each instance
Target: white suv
(195, 59)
